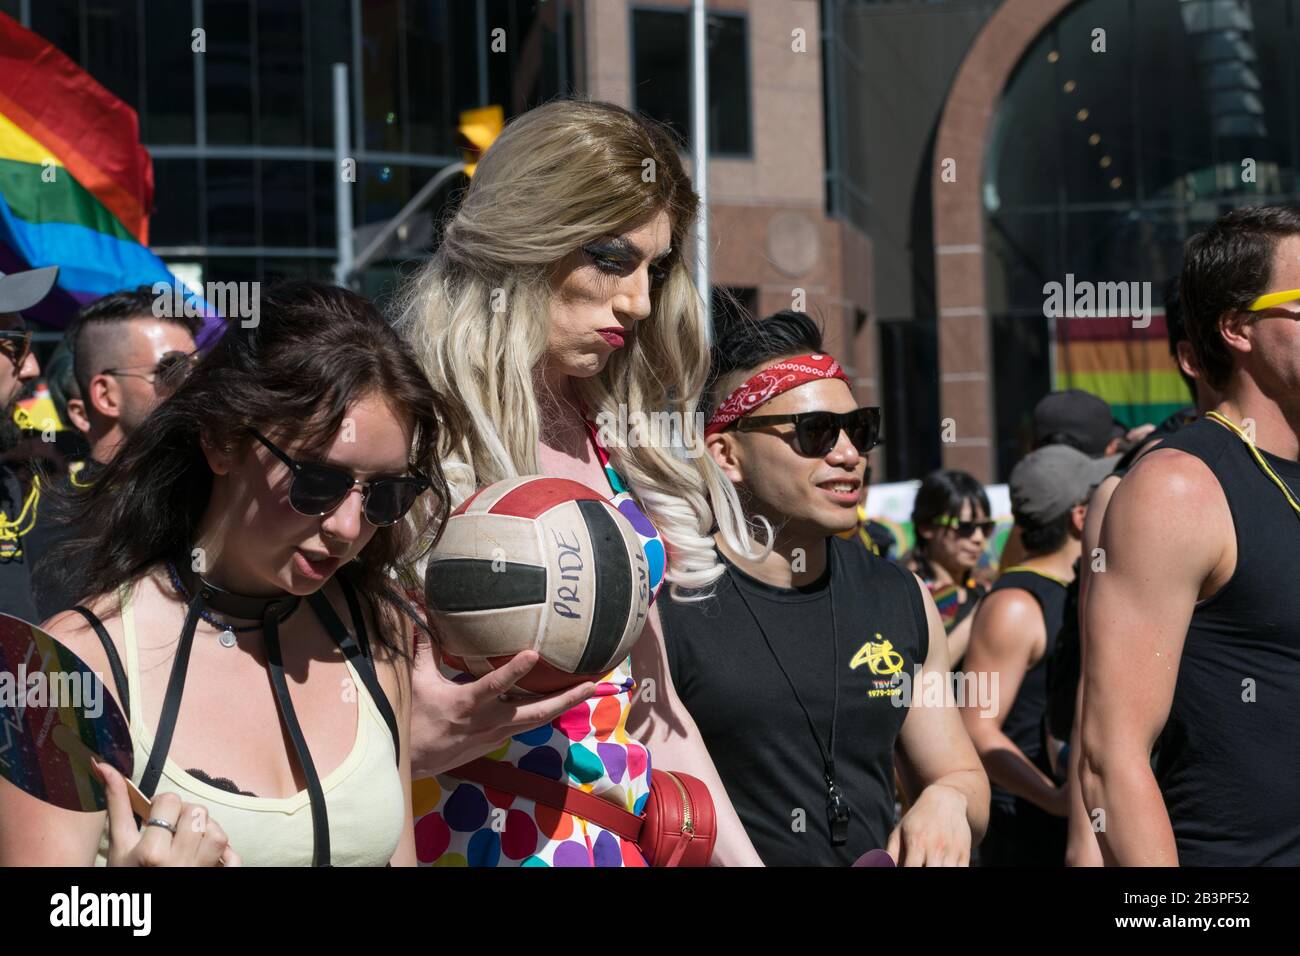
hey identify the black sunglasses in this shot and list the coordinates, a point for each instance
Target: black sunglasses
(17, 344)
(318, 489)
(817, 432)
(966, 529)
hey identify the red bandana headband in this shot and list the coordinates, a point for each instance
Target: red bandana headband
(768, 384)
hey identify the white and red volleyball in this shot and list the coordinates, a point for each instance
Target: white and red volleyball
(542, 563)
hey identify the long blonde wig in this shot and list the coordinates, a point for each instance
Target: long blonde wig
(477, 314)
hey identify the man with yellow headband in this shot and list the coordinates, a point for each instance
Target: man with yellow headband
(1193, 628)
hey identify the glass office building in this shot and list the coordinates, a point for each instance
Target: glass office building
(240, 118)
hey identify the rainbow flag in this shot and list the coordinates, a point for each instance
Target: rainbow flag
(1130, 368)
(76, 186)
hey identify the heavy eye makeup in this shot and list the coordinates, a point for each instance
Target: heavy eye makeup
(619, 257)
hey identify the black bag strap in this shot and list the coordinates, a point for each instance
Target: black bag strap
(162, 740)
(358, 619)
(361, 661)
(320, 827)
(114, 659)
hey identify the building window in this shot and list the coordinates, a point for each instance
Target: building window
(229, 69)
(661, 76)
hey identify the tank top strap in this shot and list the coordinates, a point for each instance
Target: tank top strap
(131, 651)
(356, 651)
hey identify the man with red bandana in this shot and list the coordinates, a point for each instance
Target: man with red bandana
(804, 668)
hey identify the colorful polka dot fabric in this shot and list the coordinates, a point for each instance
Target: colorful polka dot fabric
(458, 823)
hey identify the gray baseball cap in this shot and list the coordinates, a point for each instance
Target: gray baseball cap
(1047, 483)
(22, 290)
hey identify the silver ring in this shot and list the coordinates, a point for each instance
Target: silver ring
(158, 822)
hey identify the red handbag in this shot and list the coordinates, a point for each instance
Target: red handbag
(677, 827)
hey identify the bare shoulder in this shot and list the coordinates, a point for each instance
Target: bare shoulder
(1150, 508)
(1165, 479)
(1008, 606)
(1007, 619)
(1168, 526)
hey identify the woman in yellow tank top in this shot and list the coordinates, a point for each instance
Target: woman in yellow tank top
(265, 503)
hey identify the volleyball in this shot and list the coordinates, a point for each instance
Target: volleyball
(542, 563)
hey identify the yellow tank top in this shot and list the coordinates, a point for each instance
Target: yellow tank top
(364, 796)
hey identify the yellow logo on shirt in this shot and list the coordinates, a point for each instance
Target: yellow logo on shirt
(880, 656)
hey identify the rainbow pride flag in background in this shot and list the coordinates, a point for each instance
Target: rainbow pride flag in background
(1130, 368)
(76, 186)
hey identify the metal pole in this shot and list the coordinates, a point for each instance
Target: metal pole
(830, 50)
(376, 245)
(480, 23)
(700, 157)
(200, 81)
(342, 188)
(561, 49)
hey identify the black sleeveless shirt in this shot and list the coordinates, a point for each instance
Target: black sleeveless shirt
(755, 731)
(1024, 723)
(1228, 760)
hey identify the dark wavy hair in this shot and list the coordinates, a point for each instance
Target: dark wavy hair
(314, 350)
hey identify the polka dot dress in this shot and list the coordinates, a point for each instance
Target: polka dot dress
(458, 823)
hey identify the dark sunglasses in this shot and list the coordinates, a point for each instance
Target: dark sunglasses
(966, 529)
(167, 374)
(17, 344)
(817, 432)
(318, 489)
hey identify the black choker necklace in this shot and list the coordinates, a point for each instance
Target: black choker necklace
(235, 605)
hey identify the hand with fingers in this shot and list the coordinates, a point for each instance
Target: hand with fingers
(934, 832)
(175, 834)
(452, 724)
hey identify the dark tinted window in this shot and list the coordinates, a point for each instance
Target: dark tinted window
(167, 110)
(112, 47)
(175, 217)
(229, 69)
(281, 73)
(661, 75)
(286, 203)
(232, 214)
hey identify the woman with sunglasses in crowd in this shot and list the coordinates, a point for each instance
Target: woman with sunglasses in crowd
(240, 547)
(950, 517)
(559, 299)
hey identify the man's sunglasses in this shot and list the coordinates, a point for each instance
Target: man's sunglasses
(966, 529)
(17, 345)
(817, 432)
(1273, 299)
(171, 369)
(317, 490)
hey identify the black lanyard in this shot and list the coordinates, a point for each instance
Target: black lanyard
(837, 807)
